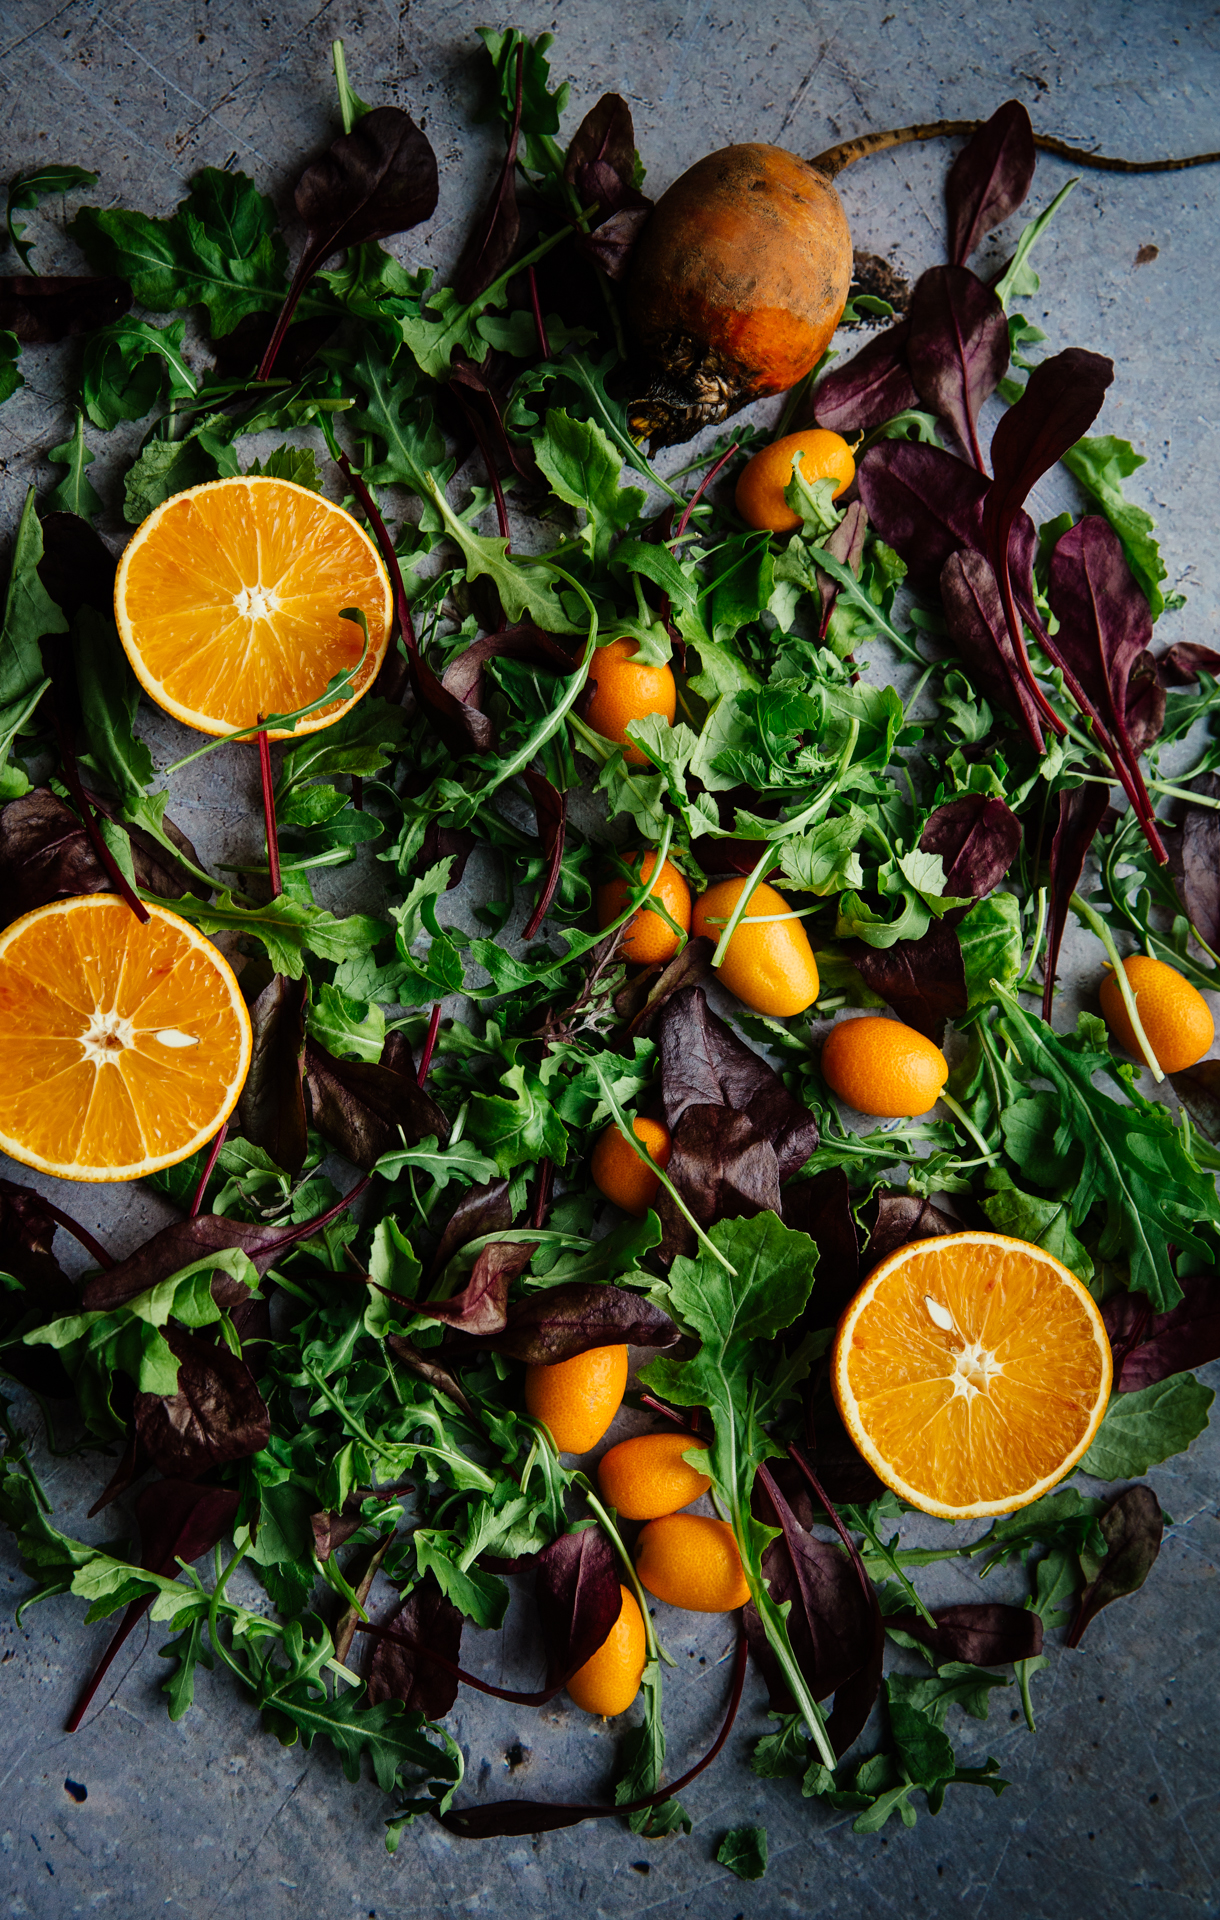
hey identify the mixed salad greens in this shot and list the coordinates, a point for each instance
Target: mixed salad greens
(319, 1378)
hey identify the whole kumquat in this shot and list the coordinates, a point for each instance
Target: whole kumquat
(621, 1175)
(646, 1478)
(879, 1066)
(647, 939)
(626, 689)
(610, 1678)
(577, 1399)
(822, 455)
(691, 1561)
(1175, 1017)
(768, 962)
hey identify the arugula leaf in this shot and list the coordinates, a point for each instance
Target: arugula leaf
(744, 1852)
(27, 189)
(289, 928)
(346, 1026)
(125, 367)
(1141, 1429)
(583, 467)
(29, 613)
(1044, 1223)
(298, 464)
(540, 107)
(221, 249)
(75, 492)
(1132, 1159)
(1101, 464)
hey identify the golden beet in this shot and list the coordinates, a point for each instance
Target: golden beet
(738, 282)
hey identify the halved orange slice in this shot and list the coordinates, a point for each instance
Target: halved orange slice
(122, 1046)
(227, 601)
(971, 1371)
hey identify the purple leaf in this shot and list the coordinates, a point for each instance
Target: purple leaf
(482, 1209)
(42, 308)
(870, 389)
(365, 1109)
(1132, 1525)
(481, 1308)
(977, 838)
(431, 1370)
(578, 1598)
(736, 1131)
(1149, 1346)
(1105, 622)
(551, 815)
(178, 1521)
(1062, 398)
(559, 1322)
(821, 1207)
(217, 1414)
(332, 1531)
(463, 677)
(271, 1110)
(600, 166)
(958, 349)
(855, 1698)
(846, 545)
(923, 980)
(975, 616)
(46, 854)
(27, 1233)
(641, 1002)
(442, 843)
(989, 178)
(899, 1218)
(396, 1673)
(377, 180)
(924, 503)
(491, 245)
(830, 1621)
(703, 1063)
(1181, 665)
(1196, 867)
(1081, 812)
(978, 1632)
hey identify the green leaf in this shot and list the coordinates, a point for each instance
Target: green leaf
(954, 1684)
(1132, 1160)
(221, 249)
(825, 860)
(1044, 1223)
(167, 467)
(923, 1750)
(289, 928)
(10, 377)
(110, 700)
(27, 189)
(991, 942)
(540, 108)
(362, 741)
(744, 1852)
(298, 464)
(29, 613)
(1101, 465)
(344, 1026)
(482, 1597)
(583, 467)
(519, 1125)
(75, 492)
(1141, 1429)
(125, 368)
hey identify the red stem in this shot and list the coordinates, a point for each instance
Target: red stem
(273, 844)
(831, 1515)
(131, 1618)
(701, 489)
(206, 1175)
(78, 1232)
(1016, 635)
(544, 346)
(425, 1058)
(307, 1227)
(357, 793)
(542, 1192)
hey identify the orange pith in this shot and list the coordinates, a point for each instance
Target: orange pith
(971, 1371)
(122, 1047)
(227, 601)
(646, 939)
(626, 690)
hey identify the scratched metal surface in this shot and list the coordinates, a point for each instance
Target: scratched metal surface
(1112, 1809)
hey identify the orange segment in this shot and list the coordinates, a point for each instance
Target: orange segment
(972, 1372)
(122, 1046)
(227, 601)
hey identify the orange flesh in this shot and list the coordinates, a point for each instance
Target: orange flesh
(122, 1047)
(984, 1416)
(228, 602)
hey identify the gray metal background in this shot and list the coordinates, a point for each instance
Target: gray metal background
(1112, 1808)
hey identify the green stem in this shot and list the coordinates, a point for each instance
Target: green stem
(655, 1650)
(762, 867)
(1037, 945)
(555, 719)
(641, 1153)
(214, 1616)
(963, 1120)
(1097, 925)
